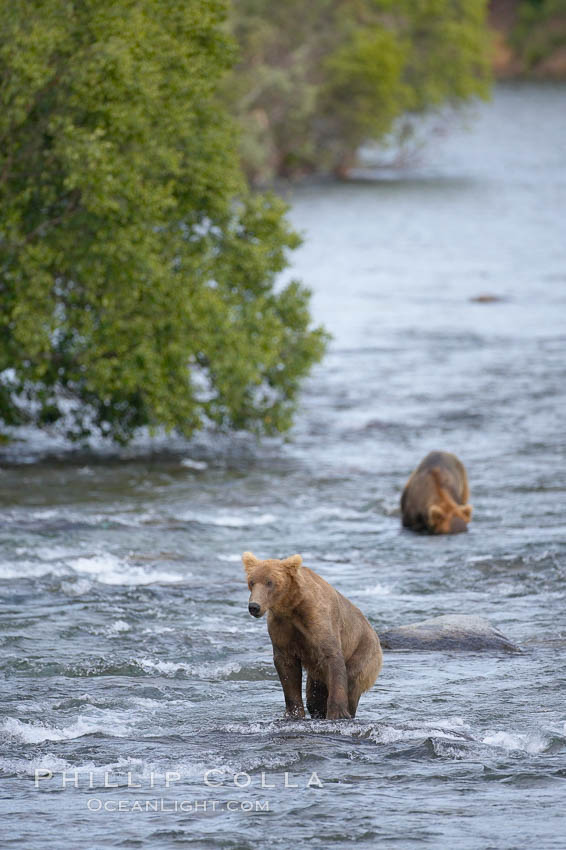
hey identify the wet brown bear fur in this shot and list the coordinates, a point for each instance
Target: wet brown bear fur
(313, 626)
(435, 498)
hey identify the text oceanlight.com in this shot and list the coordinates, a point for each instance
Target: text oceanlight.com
(121, 782)
(171, 806)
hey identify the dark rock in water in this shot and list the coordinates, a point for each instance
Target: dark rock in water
(486, 298)
(457, 632)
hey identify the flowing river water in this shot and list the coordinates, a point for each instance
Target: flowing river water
(127, 656)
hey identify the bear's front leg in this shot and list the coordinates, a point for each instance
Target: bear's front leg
(337, 705)
(290, 674)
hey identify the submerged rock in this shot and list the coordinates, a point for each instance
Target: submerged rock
(459, 632)
(486, 298)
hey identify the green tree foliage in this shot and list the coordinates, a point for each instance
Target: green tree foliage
(316, 80)
(136, 271)
(540, 30)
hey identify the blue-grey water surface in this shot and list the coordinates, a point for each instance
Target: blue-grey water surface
(126, 646)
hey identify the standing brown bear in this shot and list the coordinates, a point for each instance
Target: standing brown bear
(435, 498)
(313, 626)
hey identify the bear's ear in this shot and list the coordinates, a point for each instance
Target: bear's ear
(435, 515)
(250, 561)
(293, 562)
(467, 512)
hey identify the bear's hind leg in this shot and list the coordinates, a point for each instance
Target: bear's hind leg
(355, 690)
(363, 669)
(317, 697)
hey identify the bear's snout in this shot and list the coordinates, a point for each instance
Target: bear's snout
(254, 609)
(458, 525)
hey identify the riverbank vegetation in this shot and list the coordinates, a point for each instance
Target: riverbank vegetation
(313, 82)
(530, 38)
(137, 269)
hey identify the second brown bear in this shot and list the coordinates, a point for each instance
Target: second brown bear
(435, 498)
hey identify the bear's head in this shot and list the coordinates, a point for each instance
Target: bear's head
(448, 517)
(270, 582)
